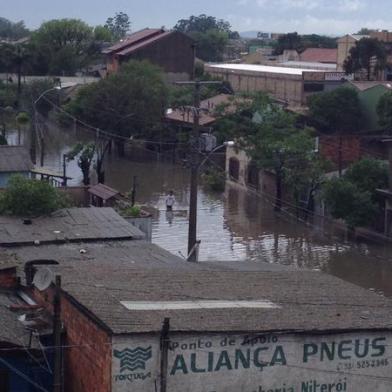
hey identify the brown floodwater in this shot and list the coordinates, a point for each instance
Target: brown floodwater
(236, 225)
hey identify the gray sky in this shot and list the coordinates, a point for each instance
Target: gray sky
(333, 17)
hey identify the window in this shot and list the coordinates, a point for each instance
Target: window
(313, 87)
(234, 168)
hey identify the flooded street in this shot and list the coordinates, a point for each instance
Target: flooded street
(236, 225)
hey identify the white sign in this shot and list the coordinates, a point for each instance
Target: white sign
(259, 363)
(337, 76)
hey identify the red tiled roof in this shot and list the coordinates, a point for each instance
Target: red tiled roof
(319, 55)
(135, 38)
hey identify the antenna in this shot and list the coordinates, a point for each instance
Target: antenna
(43, 278)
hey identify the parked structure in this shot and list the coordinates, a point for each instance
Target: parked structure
(173, 51)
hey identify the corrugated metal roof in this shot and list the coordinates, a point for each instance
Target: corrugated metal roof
(15, 159)
(366, 85)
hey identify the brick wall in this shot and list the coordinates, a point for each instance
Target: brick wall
(87, 351)
(8, 278)
(351, 149)
(87, 367)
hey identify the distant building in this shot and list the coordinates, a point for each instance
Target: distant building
(319, 55)
(345, 44)
(14, 160)
(289, 85)
(173, 51)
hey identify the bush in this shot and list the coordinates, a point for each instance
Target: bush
(133, 211)
(214, 181)
(26, 197)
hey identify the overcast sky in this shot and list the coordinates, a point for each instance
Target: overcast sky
(334, 17)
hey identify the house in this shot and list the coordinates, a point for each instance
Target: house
(369, 93)
(159, 323)
(102, 195)
(173, 51)
(14, 160)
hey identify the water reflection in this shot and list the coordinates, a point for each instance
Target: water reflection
(236, 225)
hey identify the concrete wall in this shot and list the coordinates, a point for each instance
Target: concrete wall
(262, 362)
(344, 46)
(281, 86)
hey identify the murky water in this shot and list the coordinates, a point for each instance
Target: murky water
(235, 225)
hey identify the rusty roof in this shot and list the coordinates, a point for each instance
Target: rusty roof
(133, 39)
(319, 55)
(15, 159)
(103, 191)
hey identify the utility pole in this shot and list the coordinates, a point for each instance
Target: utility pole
(195, 164)
(133, 192)
(57, 387)
(164, 353)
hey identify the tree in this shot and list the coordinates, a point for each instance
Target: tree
(119, 25)
(368, 54)
(12, 31)
(26, 197)
(354, 197)
(368, 175)
(384, 111)
(337, 111)
(85, 154)
(128, 103)
(102, 34)
(290, 41)
(64, 44)
(345, 201)
(211, 35)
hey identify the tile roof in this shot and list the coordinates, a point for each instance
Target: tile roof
(319, 55)
(15, 159)
(67, 225)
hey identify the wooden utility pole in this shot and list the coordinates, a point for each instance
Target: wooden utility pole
(164, 353)
(195, 164)
(57, 385)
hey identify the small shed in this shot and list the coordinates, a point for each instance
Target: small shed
(14, 160)
(102, 196)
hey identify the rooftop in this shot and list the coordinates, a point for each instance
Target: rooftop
(319, 55)
(15, 159)
(132, 287)
(264, 69)
(366, 85)
(67, 225)
(103, 191)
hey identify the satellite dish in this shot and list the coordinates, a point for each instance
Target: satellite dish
(43, 279)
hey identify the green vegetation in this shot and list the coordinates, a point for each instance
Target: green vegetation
(384, 111)
(118, 26)
(211, 35)
(362, 57)
(132, 211)
(26, 197)
(128, 103)
(276, 142)
(294, 41)
(336, 112)
(353, 197)
(214, 180)
(12, 31)
(85, 154)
